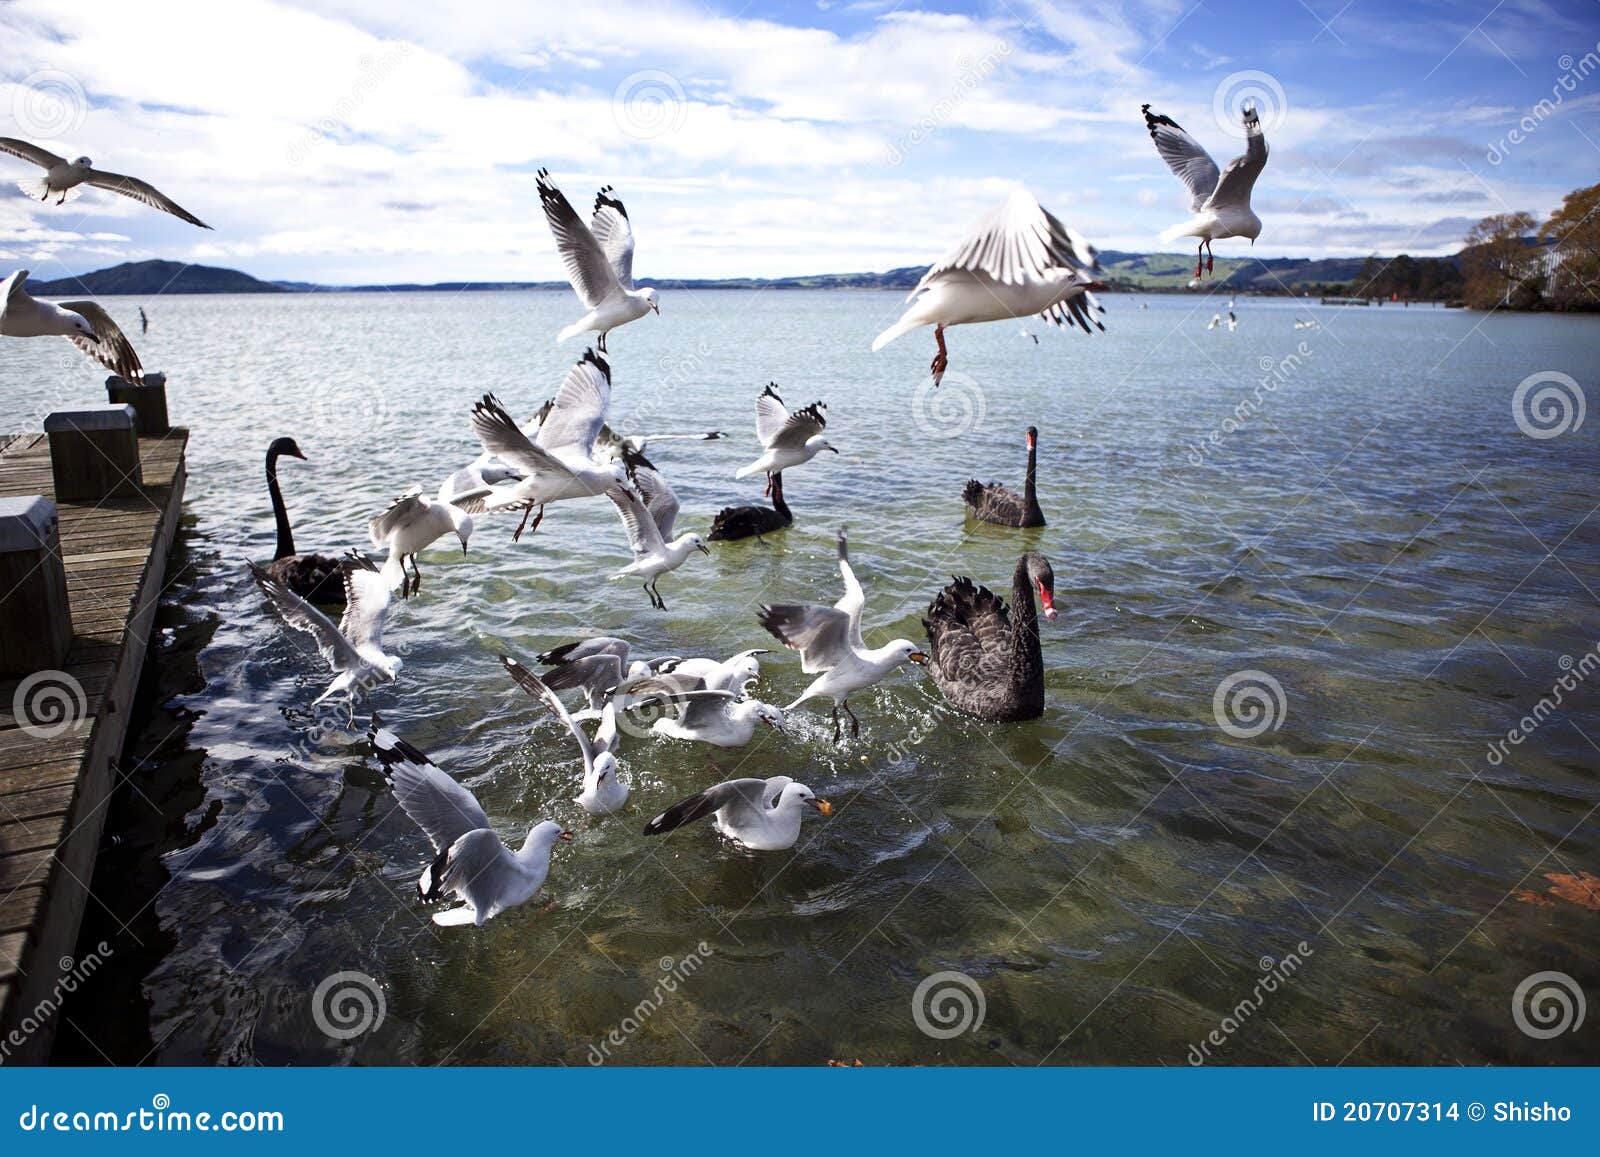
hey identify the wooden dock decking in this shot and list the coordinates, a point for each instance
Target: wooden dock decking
(53, 790)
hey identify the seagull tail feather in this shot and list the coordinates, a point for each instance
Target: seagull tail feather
(904, 325)
(571, 331)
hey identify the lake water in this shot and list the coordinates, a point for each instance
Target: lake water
(1375, 535)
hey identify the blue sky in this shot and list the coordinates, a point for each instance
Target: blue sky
(370, 140)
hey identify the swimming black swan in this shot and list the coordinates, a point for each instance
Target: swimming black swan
(314, 577)
(986, 664)
(994, 503)
(734, 522)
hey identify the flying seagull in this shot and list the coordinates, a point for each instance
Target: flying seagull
(603, 792)
(830, 646)
(84, 323)
(599, 261)
(1017, 260)
(62, 179)
(470, 863)
(649, 517)
(788, 439)
(1220, 202)
(353, 650)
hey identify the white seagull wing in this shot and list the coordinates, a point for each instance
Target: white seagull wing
(578, 411)
(644, 537)
(109, 346)
(502, 437)
(820, 634)
(535, 686)
(400, 513)
(301, 615)
(1240, 175)
(588, 269)
(143, 191)
(1017, 242)
(659, 499)
(1184, 156)
(366, 609)
(771, 414)
(614, 232)
(44, 158)
(437, 804)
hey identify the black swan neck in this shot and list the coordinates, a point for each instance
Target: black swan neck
(279, 514)
(1030, 494)
(1028, 662)
(778, 503)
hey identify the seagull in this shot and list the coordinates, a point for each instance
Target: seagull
(648, 517)
(603, 792)
(1026, 332)
(733, 674)
(599, 261)
(84, 323)
(353, 649)
(610, 444)
(1233, 321)
(829, 642)
(596, 666)
(470, 863)
(705, 714)
(62, 178)
(1018, 260)
(1220, 202)
(1216, 320)
(472, 486)
(761, 814)
(559, 461)
(789, 439)
(413, 523)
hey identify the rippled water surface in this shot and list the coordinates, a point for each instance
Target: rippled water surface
(1371, 532)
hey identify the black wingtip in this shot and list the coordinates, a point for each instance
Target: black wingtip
(599, 362)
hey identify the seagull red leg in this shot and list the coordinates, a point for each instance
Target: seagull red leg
(941, 360)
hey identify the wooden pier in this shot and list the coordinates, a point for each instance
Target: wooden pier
(56, 772)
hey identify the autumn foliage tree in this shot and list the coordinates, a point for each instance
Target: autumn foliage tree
(1573, 233)
(1500, 266)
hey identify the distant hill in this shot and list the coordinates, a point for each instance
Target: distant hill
(148, 278)
(1146, 272)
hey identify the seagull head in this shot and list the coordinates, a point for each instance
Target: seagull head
(770, 715)
(605, 765)
(698, 543)
(817, 444)
(799, 795)
(652, 300)
(84, 163)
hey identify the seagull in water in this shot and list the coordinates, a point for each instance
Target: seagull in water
(1220, 202)
(789, 439)
(596, 666)
(84, 323)
(599, 261)
(353, 649)
(1016, 261)
(413, 523)
(648, 517)
(470, 863)
(603, 792)
(829, 642)
(559, 462)
(704, 714)
(62, 179)
(761, 814)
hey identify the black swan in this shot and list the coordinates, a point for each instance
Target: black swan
(985, 663)
(994, 503)
(735, 522)
(314, 577)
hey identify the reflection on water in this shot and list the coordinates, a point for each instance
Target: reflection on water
(1358, 523)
